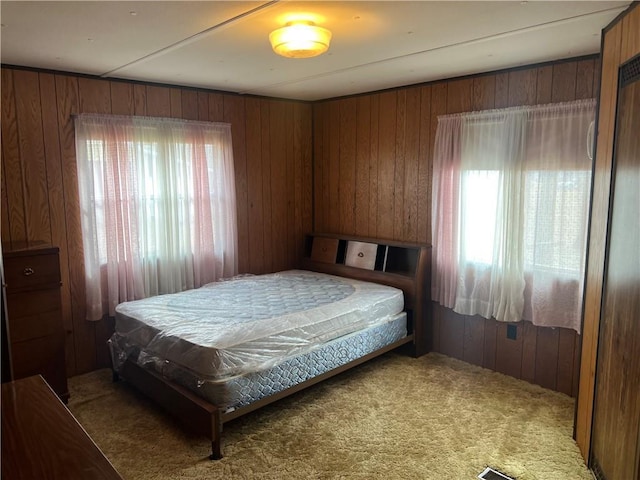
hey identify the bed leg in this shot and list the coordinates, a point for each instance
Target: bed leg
(115, 377)
(216, 436)
(216, 453)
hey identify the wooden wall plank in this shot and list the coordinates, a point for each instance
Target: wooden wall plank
(176, 102)
(522, 87)
(529, 341)
(460, 96)
(436, 319)
(563, 88)
(325, 211)
(122, 99)
(373, 165)
(5, 228)
(139, 99)
(94, 95)
(544, 84)
(304, 122)
(501, 99)
(411, 169)
(12, 162)
(67, 96)
(265, 136)
(508, 351)
(547, 344)
(158, 101)
(363, 155)
(318, 167)
(216, 107)
(577, 348)
(484, 93)
(253, 132)
(289, 190)
(473, 347)
(296, 199)
(564, 375)
(278, 184)
(34, 169)
(584, 79)
(451, 333)
(189, 104)
(203, 106)
(303, 177)
(333, 221)
(490, 343)
(57, 206)
(234, 113)
(386, 164)
(347, 167)
(400, 164)
(425, 171)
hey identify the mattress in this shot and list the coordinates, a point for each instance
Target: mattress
(241, 390)
(249, 323)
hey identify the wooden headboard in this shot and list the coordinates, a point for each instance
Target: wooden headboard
(403, 265)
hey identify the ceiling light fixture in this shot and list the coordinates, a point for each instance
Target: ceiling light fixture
(301, 39)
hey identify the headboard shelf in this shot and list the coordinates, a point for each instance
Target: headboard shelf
(402, 265)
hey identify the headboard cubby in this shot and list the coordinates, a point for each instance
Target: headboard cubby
(403, 265)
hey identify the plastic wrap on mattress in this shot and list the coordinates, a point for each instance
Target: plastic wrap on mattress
(240, 390)
(248, 323)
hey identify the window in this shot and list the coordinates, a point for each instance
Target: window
(158, 206)
(510, 206)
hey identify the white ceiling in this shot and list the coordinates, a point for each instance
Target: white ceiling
(224, 45)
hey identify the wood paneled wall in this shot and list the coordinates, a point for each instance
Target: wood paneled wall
(272, 146)
(372, 177)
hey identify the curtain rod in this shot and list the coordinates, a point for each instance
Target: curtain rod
(521, 108)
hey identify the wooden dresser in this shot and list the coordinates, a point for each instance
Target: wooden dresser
(34, 311)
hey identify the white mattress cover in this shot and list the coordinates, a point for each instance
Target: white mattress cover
(250, 322)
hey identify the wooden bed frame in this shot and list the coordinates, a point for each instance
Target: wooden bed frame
(398, 264)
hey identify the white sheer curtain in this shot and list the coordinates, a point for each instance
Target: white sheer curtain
(158, 207)
(510, 207)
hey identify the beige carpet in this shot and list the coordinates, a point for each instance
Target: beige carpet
(395, 417)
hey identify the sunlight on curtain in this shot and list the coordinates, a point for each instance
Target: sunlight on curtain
(157, 199)
(510, 206)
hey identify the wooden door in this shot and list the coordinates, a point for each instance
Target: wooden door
(616, 428)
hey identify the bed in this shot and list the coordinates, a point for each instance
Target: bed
(212, 354)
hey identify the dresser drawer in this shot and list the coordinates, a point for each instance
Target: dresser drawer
(34, 314)
(31, 271)
(44, 356)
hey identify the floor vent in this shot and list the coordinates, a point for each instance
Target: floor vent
(491, 474)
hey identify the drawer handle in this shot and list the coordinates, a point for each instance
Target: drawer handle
(324, 249)
(28, 271)
(360, 254)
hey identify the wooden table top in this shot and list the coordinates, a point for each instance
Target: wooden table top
(41, 439)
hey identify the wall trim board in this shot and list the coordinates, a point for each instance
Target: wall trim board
(593, 56)
(149, 83)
